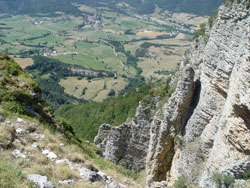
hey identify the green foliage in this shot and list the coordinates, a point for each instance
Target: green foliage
(179, 140)
(201, 31)
(16, 87)
(14, 107)
(11, 177)
(141, 52)
(221, 179)
(84, 91)
(247, 175)
(111, 93)
(86, 118)
(212, 19)
(180, 182)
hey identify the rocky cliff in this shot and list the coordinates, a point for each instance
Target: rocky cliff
(201, 136)
(127, 144)
(204, 129)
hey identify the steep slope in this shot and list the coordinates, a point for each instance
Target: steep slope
(204, 134)
(39, 149)
(201, 135)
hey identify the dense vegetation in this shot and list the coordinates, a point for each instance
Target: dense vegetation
(87, 118)
(141, 6)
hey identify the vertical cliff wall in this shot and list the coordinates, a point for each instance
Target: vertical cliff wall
(205, 126)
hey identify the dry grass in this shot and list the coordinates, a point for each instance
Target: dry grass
(189, 18)
(97, 89)
(166, 63)
(6, 135)
(24, 62)
(180, 36)
(37, 163)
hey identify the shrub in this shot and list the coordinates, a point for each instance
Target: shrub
(221, 179)
(180, 182)
(247, 175)
(212, 19)
(201, 31)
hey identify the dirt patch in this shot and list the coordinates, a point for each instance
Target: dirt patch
(24, 62)
(180, 36)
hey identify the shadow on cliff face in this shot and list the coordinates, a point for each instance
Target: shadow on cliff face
(244, 113)
(194, 102)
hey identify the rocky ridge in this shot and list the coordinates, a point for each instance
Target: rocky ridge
(214, 137)
(203, 130)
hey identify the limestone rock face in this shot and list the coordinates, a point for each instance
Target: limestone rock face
(127, 144)
(206, 130)
(167, 123)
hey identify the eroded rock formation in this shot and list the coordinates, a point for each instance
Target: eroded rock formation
(216, 135)
(204, 128)
(127, 144)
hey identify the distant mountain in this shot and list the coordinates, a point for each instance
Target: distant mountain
(201, 7)
(33, 7)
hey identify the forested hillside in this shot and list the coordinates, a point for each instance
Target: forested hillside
(201, 7)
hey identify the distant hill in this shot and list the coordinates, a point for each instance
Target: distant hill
(201, 7)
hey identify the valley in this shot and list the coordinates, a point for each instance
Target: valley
(129, 45)
(124, 94)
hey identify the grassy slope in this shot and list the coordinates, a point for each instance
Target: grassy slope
(15, 89)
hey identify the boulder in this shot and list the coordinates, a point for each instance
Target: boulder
(40, 181)
(88, 174)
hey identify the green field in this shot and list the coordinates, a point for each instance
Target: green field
(107, 41)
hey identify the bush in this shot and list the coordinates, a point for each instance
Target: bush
(201, 31)
(247, 175)
(180, 182)
(212, 19)
(111, 93)
(221, 179)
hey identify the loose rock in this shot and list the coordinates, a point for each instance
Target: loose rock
(41, 181)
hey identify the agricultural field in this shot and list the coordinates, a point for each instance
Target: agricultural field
(95, 90)
(24, 62)
(129, 45)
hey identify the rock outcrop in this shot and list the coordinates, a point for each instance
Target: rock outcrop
(127, 144)
(211, 134)
(204, 128)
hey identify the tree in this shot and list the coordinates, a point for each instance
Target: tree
(111, 93)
